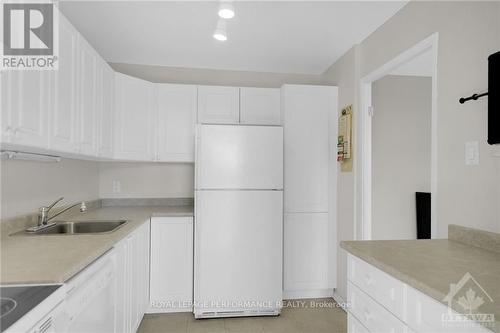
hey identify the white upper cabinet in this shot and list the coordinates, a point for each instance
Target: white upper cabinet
(87, 115)
(5, 129)
(218, 105)
(260, 106)
(133, 119)
(307, 111)
(26, 108)
(64, 106)
(176, 122)
(105, 109)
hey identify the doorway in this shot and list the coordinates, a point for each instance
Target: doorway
(398, 146)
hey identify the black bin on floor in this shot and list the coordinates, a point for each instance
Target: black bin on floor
(423, 200)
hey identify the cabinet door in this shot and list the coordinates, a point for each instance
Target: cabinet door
(122, 287)
(260, 106)
(305, 254)
(27, 105)
(87, 101)
(105, 110)
(63, 111)
(218, 105)
(171, 280)
(307, 150)
(5, 100)
(176, 120)
(142, 271)
(133, 118)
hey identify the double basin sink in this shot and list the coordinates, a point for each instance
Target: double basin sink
(80, 227)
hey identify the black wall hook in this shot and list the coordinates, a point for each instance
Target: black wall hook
(473, 97)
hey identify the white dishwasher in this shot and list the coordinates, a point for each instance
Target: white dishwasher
(90, 298)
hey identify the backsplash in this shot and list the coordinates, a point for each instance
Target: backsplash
(28, 185)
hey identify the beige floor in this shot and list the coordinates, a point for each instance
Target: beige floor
(294, 318)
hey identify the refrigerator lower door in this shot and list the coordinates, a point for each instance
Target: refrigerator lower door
(238, 253)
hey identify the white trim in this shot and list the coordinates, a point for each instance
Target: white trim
(301, 294)
(364, 212)
(340, 301)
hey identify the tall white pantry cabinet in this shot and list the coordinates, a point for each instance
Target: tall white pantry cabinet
(310, 127)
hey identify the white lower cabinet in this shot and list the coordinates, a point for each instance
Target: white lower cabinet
(132, 279)
(171, 279)
(354, 326)
(306, 255)
(378, 302)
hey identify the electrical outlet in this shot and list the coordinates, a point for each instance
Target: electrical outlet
(117, 186)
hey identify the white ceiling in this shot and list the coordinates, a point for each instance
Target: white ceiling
(264, 36)
(421, 65)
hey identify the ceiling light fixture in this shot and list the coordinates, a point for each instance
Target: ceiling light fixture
(226, 10)
(220, 32)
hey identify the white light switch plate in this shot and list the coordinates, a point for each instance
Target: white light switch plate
(117, 186)
(472, 153)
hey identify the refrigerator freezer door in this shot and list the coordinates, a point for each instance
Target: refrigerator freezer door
(238, 253)
(239, 157)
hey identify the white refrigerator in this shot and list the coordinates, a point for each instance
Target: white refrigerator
(238, 221)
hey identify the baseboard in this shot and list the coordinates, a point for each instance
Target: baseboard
(340, 301)
(169, 310)
(301, 294)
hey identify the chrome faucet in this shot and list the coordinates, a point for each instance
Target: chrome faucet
(43, 214)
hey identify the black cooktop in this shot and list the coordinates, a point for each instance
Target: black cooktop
(16, 301)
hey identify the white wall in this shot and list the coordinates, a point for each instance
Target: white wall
(401, 164)
(28, 185)
(162, 74)
(147, 180)
(467, 195)
(343, 74)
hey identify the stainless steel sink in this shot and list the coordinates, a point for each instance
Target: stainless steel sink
(81, 227)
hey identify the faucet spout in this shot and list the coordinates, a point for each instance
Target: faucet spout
(43, 215)
(83, 209)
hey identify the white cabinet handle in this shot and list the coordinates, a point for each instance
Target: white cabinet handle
(16, 132)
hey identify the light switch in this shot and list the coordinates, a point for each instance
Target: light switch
(472, 153)
(117, 186)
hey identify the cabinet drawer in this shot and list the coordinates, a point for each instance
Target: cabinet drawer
(371, 314)
(388, 291)
(425, 314)
(354, 326)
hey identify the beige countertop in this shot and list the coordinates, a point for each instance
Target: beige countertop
(432, 265)
(56, 258)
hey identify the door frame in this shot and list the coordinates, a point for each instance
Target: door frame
(364, 172)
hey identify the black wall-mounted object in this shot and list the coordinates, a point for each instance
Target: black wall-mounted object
(494, 98)
(423, 201)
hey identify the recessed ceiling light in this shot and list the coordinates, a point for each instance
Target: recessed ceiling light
(220, 32)
(220, 35)
(226, 10)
